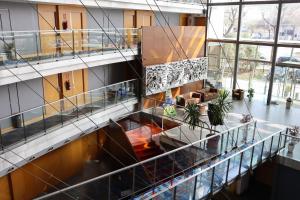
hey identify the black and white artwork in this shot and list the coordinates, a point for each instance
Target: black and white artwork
(165, 76)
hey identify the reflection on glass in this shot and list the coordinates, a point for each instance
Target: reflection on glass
(221, 64)
(289, 29)
(254, 68)
(258, 22)
(223, 22)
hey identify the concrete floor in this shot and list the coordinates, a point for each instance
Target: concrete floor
(273, 113)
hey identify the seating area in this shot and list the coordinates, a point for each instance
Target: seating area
(197, 97)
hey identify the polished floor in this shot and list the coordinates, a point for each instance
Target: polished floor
(273, 113)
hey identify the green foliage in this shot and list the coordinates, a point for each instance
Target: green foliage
(170, 111)
(219, 108)
(192, 115)
(250, 94)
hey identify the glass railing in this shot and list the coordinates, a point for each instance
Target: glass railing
(27, 125)
(160, 172)
(19, 47)
(207, 179)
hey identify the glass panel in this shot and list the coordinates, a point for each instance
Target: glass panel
(234, 167)
(289, 23)
(221, 58)
(185, 190)
(34, 122)
(223, 22)
(12, 130)
(259, 22)
(254, 69)
(203, 184)
(286, 84)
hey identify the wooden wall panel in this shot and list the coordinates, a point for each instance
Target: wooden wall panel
(191, 38)
(51, 85)
(148, 102)
(63, 163)
(129, 19)
(47, 21)
(5, 192)
(191, 87)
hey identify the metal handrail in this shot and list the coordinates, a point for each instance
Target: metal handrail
(42, 106)
(68, 30)
(222, 161)
(137, 164)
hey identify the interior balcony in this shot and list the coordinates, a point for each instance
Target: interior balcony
(37, 131)
(51, 52)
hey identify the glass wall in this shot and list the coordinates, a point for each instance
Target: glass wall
(261, 45)
(221, 57)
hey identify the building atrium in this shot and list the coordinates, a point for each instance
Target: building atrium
(149, 99)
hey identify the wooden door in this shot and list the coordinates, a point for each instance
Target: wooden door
(52, 94)
(72, 19)
(47, 35)
(129, 22)
(73, 86)
(144, 18)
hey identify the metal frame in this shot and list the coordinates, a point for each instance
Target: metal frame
(275, 44)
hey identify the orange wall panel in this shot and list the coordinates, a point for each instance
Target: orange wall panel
(189, 38)
(5, 192)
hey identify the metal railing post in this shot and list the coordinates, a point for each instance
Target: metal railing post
(251, 159)
(227, 172)
(262, 151)
(195, 187)
(77, 108)
(212, 181)
(254, 131)
(285, 137)
(237, 137)
(270, 154)
(24, 128)
(44, 122)
(73, 42)
(279, 141)
(241, 161)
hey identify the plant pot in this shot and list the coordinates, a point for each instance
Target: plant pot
(291, 147)
(213, 143)
(214, 116)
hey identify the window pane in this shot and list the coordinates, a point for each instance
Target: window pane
(259, 22)
(223, 22)
(254, 68)
(286, 84)
(221, 64)
(288, 55)
(289, 23)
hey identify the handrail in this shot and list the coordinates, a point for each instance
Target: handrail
(224, 160)
(41, 106)
(68, 30)
(133, 165)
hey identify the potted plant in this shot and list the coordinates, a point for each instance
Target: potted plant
(294, 132)
(170, 111)
(250, 94)
(218, 108)
(192, 115)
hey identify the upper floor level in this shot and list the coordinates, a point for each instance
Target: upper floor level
(175, 6)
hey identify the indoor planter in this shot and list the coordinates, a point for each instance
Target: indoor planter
(170, 111)
(250, 94)
(218, 108)
(192, 115)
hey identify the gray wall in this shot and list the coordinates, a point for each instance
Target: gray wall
(22, 18)
(109, 74)
(171, 18)
(115, 16)
(27, 98)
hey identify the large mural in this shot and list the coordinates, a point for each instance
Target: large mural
(165, 76)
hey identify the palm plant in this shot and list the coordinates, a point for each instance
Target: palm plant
(250, 94)
(219, 107)
(192, 115)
